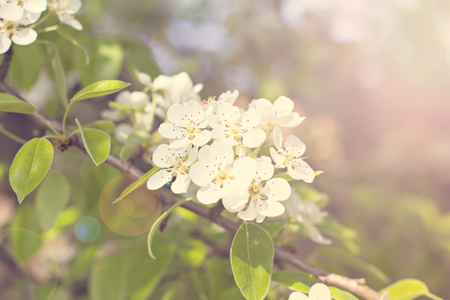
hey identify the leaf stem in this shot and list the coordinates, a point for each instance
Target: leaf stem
(42, 20)
(12, 135)
(48, 124)
(432, 296)
(65, 119)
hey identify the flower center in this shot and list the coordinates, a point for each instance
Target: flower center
(192, 130)
(223, 176)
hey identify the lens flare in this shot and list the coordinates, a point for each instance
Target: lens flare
(87, 229)
(134, 214)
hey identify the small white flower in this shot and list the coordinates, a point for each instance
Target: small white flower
(174, 90)
(234, 128)
(318, 291)
(65, 9)
(308, 214)
(14, 10)
(14, 32)
(187, 123)
(277, 114)
(263, 194)
(291, 156)
(128, 101)
(122, 131)
(175, 163)
(144, 78)
(219, 175)
(211, 104)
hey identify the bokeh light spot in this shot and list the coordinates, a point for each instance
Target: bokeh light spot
(133, 215)
(87, 229)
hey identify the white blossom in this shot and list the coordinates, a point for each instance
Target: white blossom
(318, 291)
(308, 214)
(219, 175)
(211, 104)
(234, 128)
(127, 101)
(187, 124)
(277, 114)
(13, 31)
(14, 10)
(262, 195)
(122, 131)
(290, 156)
(174, 90)
(65, 9)
(174, 163)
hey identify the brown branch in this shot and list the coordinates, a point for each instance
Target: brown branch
(355, 286)
(4, 68)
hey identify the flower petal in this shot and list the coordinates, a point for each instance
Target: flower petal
(5, 43)
(169, 131)
(202, 138)
(250, 213)
(254, 138)
(277, 158)
(297, 296)
(277, 137)
(159, 179)
(271, 209)
(181, 183)
(35, 6)
(234, 203)
(161, 156)
(11, 11)
(24, 36)
(295, 145)
(264, 168)
(301, 171)
(278, 189)
(208, 194)
(319, 291)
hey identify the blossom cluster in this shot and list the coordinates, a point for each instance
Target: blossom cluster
(215, 145)
(134, 110)
(17, 17)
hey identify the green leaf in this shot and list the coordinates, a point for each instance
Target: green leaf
(96, 142)
(103, 125)
(100, 88)
(57, 71)
(133, 141)
(9, 103)
(132, 187)
(107, 280)
(295, 280)
(339, 294)
(158, 221)
(30, 166)
(406, 289)
(251, 260)
(71, 39)
(273, 226)
(106, 59)
(221, 280)
(25, 65)
(52, 196)
(147, 273)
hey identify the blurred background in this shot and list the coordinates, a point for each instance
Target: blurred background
(371, 77)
